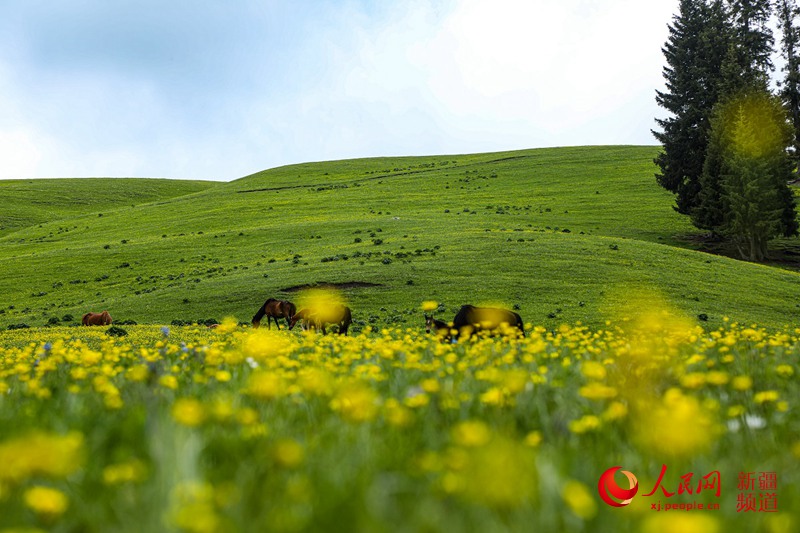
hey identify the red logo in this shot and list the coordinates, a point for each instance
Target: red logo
(613, 494)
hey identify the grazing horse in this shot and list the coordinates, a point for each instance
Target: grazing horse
(471, 319)
(96, 319)
(339, 315)
(440, 327)
(274, 309)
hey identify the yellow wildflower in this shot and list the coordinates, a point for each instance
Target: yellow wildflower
(615, 411)
(133, 471)
(356, 402)
(40, 454)
(683, 522)
(678, 426)
(471, 433)
(584, 424)
(579, 499)
(46, 501)
(766, 396)
(430, 305)
(168, 381)
(288, 453)
(533, 439)
(742, 383)
(188, 412)
(597, 391)
(593, 370)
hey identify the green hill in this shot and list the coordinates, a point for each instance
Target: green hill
(28, 202)
(564, 234)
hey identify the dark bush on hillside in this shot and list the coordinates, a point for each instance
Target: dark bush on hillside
(18, 326)
(67, 318)
(127, 322)
(53, 321)
(115, 331)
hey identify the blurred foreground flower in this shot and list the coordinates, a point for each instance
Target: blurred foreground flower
(579, 499)
(45, 501)
(40, 454)
(678, 425)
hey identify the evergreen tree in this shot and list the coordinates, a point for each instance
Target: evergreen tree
(753, 41)
(745, 68)
(748, 150)
(695, 50)
(790, 48)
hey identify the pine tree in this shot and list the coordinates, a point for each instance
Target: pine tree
(745, 69)
(790, 48)
(754, 41)
(695, 50)
(749, 139)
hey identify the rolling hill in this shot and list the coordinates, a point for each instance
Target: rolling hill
(563, 234)
(29, 202)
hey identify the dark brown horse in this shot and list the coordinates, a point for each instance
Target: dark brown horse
(477, 320)
(317, 319)
(97, 319)
(441, 328)
(274, 309)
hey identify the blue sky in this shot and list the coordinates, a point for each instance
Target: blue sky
(218, 90)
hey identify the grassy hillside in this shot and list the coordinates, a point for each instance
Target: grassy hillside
(564, 234)
(28, 202)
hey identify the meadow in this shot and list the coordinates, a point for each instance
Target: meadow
(562, 234)
(235, 429)
(640, 352)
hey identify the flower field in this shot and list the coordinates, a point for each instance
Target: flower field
(235, 429)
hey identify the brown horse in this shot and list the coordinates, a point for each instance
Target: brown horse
(274, 309)
(476, 320)
(316, 319)
(97, 319)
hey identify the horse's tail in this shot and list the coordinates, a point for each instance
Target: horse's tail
(519, 324)
(85, 319)
(347, 319)
(260, 314)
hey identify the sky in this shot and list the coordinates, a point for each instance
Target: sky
(217, 90)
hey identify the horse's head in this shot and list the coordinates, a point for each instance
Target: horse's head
(297, 317)
(441, 329)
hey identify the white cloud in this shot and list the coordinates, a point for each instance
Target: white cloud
(284, 85)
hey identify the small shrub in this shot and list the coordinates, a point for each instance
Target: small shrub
(115, 331)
